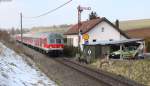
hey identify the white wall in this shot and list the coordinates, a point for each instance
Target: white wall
(109, 33)
(75, 39)
(123, 38)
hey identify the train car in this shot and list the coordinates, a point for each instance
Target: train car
(45, 41)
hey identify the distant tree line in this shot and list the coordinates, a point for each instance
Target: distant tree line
(55, 28)
(14, 31)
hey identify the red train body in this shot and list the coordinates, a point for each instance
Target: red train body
(46, 42)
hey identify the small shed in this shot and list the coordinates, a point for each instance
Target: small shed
(104, 49)
(94, 51)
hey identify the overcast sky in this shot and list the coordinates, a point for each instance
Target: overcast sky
(111, 9)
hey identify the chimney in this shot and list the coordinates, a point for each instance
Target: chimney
(117, 23)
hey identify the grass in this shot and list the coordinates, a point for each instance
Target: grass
(138, 70)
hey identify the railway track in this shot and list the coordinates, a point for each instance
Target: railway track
(101, 76)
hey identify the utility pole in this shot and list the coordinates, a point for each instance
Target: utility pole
(80, 9)
(21, 27)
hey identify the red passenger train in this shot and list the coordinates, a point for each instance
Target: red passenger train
(45, 41)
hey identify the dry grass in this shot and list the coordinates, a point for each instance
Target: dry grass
(139, 33)
(1, 49)
(138, 70)
(134, 24)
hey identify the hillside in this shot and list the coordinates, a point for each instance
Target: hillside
(139, 33)
(15, 70)
(124, 25)
(135, 24)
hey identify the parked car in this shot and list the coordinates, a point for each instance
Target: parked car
(127, 52)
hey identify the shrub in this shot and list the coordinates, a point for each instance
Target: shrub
(6, 39)
(70, 51)
(4, 35)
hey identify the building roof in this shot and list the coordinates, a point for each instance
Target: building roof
(90, 24)
(42, 35)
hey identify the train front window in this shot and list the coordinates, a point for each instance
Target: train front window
(52, 41)
(58, 41)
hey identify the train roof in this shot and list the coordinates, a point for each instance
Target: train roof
(41, 35)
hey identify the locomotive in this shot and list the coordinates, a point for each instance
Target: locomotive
(46, 42)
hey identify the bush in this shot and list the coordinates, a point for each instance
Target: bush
(70, 51)
(4, 35)
(6, 39)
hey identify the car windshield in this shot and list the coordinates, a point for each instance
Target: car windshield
(131, 48)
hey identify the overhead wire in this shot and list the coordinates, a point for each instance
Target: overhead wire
(46, 13)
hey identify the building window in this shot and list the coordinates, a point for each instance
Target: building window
(102, 29)
(110, 39)
(94, 40)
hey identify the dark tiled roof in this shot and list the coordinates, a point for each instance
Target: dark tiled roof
(90, 24)
(85, 26)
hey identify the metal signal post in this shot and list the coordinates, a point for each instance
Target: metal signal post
(80, 9)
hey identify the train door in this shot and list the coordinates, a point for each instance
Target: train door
(44, 42)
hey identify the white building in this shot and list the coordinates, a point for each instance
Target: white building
(99, 30)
